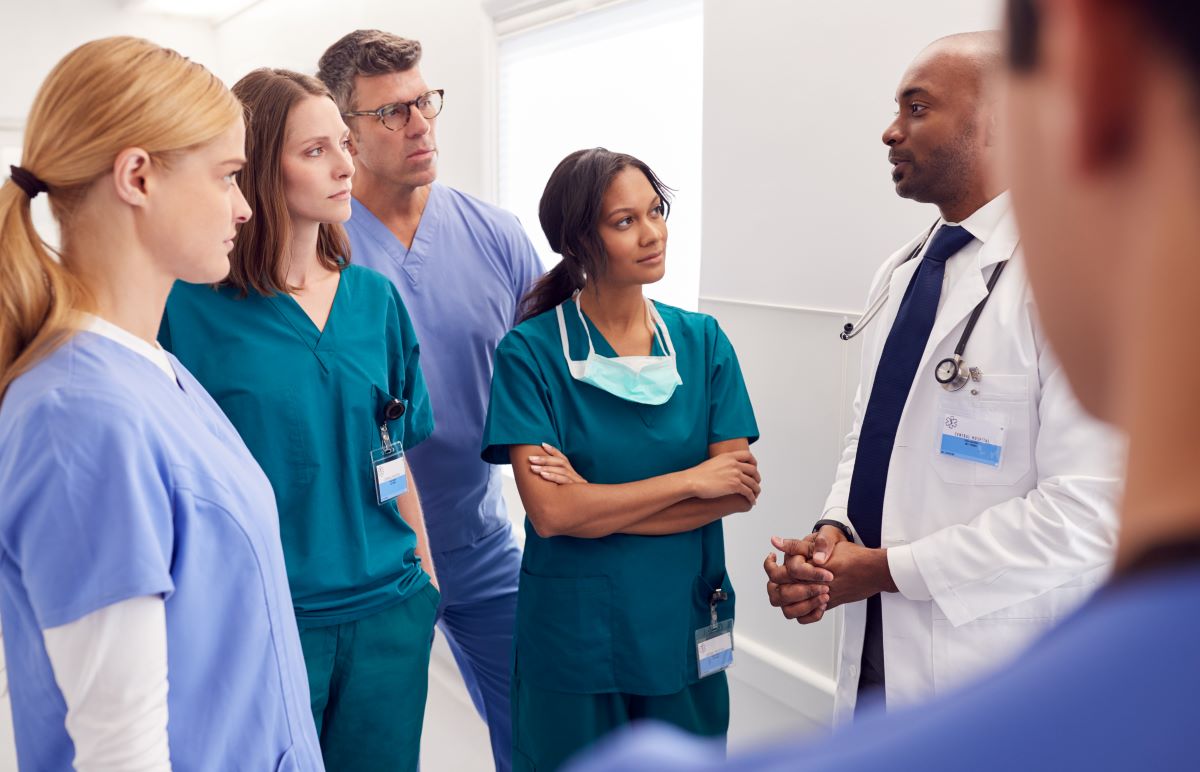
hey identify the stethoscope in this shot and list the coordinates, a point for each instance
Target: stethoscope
(952, 372)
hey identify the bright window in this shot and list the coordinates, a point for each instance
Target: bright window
(628, 77)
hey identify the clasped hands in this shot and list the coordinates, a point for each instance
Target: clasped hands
(823, 571)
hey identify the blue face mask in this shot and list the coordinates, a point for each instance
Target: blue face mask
(649, 380)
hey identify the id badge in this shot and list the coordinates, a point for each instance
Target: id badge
(714, 648)
(972, 439)
(391, 473)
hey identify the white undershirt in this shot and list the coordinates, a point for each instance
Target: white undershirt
(111, 665)
(154, 352)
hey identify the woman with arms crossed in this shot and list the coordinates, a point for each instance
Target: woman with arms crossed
(623, 579)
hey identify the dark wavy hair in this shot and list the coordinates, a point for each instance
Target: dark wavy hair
(570, 215)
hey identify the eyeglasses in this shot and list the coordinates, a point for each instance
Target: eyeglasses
(395, 116)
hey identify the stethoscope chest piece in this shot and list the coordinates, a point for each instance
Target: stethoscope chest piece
(952, 374)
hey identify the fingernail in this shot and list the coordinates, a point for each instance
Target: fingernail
(819, 556)
(536, 468)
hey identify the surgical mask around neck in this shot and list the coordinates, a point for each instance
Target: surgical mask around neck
(648, 380)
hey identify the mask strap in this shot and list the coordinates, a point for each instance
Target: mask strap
(562, 333)
(562, 328)
(660, 327)
(586, 331)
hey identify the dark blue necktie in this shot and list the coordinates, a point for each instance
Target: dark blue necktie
(893, 380)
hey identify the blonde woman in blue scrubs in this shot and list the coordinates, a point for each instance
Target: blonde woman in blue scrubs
(147, 619)
(315, 362)
(625, 608)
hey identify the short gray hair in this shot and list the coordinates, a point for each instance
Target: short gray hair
(364, 52)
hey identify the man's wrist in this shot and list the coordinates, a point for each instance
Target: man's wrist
(884, 571)
(839, 527)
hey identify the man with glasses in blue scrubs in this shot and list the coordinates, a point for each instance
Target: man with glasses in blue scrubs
(462, 267)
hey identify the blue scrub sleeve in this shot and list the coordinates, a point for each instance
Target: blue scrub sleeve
(519, 412)
(730, 414)
(527, 267)
(93, 523)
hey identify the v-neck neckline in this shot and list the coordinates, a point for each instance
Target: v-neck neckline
(299, 319)
(320, 341)
(655, 348)
(410, 259)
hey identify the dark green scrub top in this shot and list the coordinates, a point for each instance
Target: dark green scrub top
(616, 614)
(307, 403)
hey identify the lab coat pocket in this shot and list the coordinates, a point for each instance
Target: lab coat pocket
(961, 654)
(996, 401)
(964, 652)
(564, 633)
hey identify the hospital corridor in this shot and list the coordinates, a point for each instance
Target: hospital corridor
(598, 385)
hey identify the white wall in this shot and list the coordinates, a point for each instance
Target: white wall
(38, 34)
(458, 44)
(799, 211)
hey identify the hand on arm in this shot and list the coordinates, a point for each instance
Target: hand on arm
(562, 502)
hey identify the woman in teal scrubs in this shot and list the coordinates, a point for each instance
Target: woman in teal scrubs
(647, 424)
(315, 362)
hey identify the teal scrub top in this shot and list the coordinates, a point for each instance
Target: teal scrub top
(307, 403)
(616, 614)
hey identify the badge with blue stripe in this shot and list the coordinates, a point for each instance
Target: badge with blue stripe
(972, 439)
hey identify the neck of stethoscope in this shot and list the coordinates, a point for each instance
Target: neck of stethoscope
(851, 330)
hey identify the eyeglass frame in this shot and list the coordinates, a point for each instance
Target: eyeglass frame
(409, 105)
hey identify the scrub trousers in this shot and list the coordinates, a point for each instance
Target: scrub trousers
(368, 680)
(478, 616)
(551, 727)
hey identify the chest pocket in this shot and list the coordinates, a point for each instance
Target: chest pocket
(1001, 400)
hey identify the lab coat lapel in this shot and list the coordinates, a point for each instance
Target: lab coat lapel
(970, 287)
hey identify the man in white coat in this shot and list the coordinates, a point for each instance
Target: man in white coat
(974, 505)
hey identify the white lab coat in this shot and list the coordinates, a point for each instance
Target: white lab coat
(985, 558)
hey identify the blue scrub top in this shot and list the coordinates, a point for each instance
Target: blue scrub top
(119, 484)
(616, 614)
(469, 266)
(308, 403)
(1114, 687)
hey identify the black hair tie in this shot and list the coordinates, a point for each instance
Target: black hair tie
(28, 181)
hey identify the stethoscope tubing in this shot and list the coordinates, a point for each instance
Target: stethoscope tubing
(852, 330)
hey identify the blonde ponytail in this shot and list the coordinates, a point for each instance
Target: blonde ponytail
(36, 292)
(103, 97)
